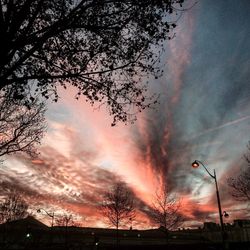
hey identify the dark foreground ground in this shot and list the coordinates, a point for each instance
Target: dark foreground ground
(231, 246)
(30, 234)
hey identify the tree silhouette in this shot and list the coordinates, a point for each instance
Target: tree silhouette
(166, 209)
(21, 126)
(13, 208)
(118, 206)
(65, 220)
(101, 47)
(240, 185)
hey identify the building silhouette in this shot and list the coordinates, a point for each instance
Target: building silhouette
(30, 233)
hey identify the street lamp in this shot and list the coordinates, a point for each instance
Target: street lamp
(196, 164)
(52, 215)
(225, 214)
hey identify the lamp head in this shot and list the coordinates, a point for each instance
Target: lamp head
(195, 164)
(225, 214)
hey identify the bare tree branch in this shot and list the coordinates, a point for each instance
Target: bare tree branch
(65, 220)
(13, 208)
(118, 205)
(113, 42)
(240, 185)
(21, 127)
(166, 209)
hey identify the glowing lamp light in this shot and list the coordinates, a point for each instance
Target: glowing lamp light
(195, 164)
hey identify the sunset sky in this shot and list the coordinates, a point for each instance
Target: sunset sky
(204, 114)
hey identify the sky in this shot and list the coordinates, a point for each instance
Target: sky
(203, 114)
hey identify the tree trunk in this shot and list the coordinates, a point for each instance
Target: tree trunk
(117, 234)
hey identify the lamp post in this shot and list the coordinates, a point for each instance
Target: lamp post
(131, 221)
(52, 215)
(196, 164)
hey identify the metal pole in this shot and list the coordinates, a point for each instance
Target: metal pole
(52, 220)
(220, 212)
(218, 201)
(196, 164)
(217, 195)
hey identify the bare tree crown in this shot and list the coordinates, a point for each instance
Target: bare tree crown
(13, 208)
(166, 209)
(240, 185)
(118, 205)
(65, 220)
